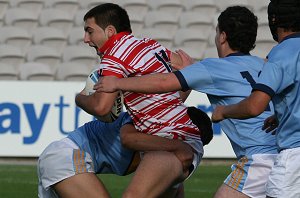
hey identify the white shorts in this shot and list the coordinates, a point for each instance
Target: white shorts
(60, 160)
(250, 175)
(284, 180)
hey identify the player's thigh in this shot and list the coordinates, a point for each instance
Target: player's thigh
(225, 191)
(158, 171)
(81, 185)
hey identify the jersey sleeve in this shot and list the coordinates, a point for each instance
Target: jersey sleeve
(206, 77)
(195, 77)
(273, 79)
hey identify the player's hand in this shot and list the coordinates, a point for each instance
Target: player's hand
(185, 60)
(185, 155)
(106, 84)
(270, 124)
(217, 114)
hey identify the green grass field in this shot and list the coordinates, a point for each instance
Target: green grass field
(20, 181)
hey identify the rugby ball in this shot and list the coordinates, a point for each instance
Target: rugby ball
(117, 108)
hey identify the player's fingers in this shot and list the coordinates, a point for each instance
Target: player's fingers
(183, 54)
(191, 60)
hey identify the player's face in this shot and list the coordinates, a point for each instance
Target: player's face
(94, 35)
(217, 40)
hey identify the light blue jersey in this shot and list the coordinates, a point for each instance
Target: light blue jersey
(102, 141)
(280, 79)
(228, 81)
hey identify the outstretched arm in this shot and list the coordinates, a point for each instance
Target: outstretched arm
(250, 107)
(135, 140)
(152, 83)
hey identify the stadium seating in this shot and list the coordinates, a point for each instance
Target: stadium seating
(261, 6)
(193, 41)
(78, 18)
(205, 7)
(72, 71)
(171, 6)
(21, 17)
(76, 36)
(195, 20)
(162, 36)
(162, 20)
(135, 7)
(223, 4)
(44, 54)
(16, 36)
(70, 5)
(51, 31)
(33, 5)
(57, 18)
(80, 54)
(8, 72)
(50, 37)
(4, 4)
(211, 52)
(87, 4)
(35, 71)
(12, 55)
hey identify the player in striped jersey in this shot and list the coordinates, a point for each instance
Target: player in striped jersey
(225, 80)
(107, 28)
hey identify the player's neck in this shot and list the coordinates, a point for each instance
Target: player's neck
(282, 33)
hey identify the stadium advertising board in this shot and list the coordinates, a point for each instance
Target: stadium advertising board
(33, 114)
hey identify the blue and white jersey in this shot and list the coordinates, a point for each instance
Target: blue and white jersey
(102, 141)
(280, 79)
(228, 81)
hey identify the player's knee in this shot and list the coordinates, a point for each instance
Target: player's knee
(125, 139)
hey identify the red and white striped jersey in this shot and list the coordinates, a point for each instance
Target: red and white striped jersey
(158, 114)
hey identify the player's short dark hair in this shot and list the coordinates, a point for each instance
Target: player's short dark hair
(110, 14)
(284, 14)
(240, 26)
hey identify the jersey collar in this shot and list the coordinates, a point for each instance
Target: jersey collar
(237, 54)
(294, 35)
(111, 41)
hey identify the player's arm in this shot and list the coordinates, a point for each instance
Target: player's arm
(250, 107)
(152, 83)
(97, 104)
(135, 140)
(180, 59)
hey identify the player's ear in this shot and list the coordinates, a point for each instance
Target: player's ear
(110, 30)
(223, 37)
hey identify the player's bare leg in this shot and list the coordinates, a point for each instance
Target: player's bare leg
(81, 185)
(157, 172)
(225, 191)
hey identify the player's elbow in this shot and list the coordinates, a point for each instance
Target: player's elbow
(126, 139)
(254, 110)
(101, 110)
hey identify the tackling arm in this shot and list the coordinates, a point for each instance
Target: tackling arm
(135, 140)
(152, 83)
(250, 107)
